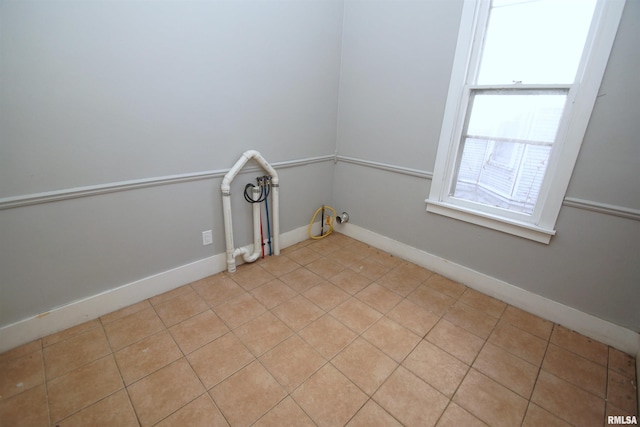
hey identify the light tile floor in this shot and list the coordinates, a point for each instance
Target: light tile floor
(331, 333)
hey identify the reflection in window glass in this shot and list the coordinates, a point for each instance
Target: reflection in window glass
(506, 147)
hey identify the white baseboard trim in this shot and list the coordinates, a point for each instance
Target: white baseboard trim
(606, 332)
(97, 305)
(92, 307)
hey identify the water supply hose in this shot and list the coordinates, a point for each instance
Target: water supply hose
(266, 206)
(264, 183)
(261, 234)
(328, 220)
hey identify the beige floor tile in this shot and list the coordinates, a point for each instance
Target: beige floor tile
(408, 272)
(263, 333)
(329, 398)
(296, 246)
(372, 415)
(254, 384)
(70, 332)
(528, 322)
(503, 367)
(404, 278)
(20, 351)
(361, 248)
(579, 344)
(350, 281)
(347, 256)
(474, 321)
(302, 244)
(326, 245)
(181, 308)
(173, 293)
(251, 276)
(622, 392)
(114, 410)
(298, 312)
(413, 272)
(273, 293)
(433, 301)
(330, 244)
(489, 401)
(27, 409)
(163, 392)
(327, 336)
(197, 331)
(219, 359)
(536, 417)
(217, 289)
(384, 259)
(144, 357)
(445, 286)
(577, 370)
(379, 297)
(455, 340)
(239, 310)
(413, 317)
(301, 279)
(201, 412)
(132, 328)
(356, 315)
(567, 401)
(126, 311)
(21, 373)
(437, 367)
(82, 387)
(278, 265)
(370, 269)
(365, 365)
(67, 355)
(286, 413)
(484, 303)
(622, 363)
(392, 338)
(410, 400)
(303, 256)
(394, 282)
(455, 416)
(518, 342)
(325, 268)
(326, 295)
(292, 362)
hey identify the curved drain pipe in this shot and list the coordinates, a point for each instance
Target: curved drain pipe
(251, 252)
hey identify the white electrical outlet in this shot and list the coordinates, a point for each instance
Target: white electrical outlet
(207, 238)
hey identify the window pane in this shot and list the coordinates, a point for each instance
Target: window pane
(513, 185)
(534, 41)
(531, 115)
(506, 147)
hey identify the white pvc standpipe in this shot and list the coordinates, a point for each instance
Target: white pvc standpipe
(275, 211)
(250, 253)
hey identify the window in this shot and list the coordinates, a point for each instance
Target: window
(525, 78)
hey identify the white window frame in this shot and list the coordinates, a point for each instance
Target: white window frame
(540, 226)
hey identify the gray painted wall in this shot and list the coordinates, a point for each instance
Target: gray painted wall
(100, 91)
(103, 92)
(396, 61)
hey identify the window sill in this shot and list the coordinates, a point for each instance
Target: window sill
(516, 228)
